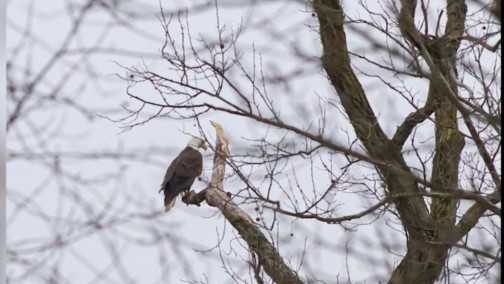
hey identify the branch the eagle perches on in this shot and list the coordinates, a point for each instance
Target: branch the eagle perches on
(215, 196)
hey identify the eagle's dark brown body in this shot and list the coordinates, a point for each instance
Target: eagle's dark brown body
(181, 174)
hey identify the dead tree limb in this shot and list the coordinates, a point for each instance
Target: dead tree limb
(215, 196)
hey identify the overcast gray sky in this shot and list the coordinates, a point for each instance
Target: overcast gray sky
(128, 189)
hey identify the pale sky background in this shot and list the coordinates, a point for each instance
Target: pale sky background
(195, 229)
(2, 147)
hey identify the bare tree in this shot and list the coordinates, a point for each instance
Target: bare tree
(364, 141)
(429, 170)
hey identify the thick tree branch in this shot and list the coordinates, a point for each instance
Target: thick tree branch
(214, 195)
(449, 140)
(423, 262)
(449, 93)
(336, 62)
(411, 121)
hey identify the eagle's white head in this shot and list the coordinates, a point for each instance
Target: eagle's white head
(197, 143)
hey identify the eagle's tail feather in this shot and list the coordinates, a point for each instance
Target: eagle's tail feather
(170, 204)
(169, 201)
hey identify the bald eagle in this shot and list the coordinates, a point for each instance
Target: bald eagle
(182, 172)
